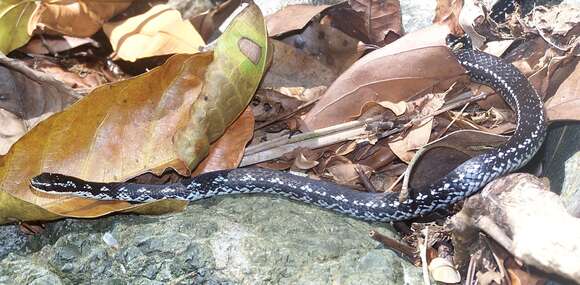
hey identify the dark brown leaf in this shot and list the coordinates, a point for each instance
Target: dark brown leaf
(292, 18)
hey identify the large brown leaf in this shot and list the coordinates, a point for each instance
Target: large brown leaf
(116, 132)
(413, 65)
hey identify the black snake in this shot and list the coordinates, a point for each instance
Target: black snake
(465, 180)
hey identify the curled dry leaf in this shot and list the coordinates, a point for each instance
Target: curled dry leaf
(442, 270)
(16, 23)
(159, 31)
(134, 126)
(292, 18)
(304, 163)
(416, 64)
(448, 11)
(78, 18)
(420, 133)
(346, 173)
(377, 18)
(470, 15)
(558, 25)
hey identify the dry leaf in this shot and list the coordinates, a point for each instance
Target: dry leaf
(415, 67)
(329, 45)
(448, 11)
(346, 173)
(521, 276)
(228, 150)
(78, 18)
(16, 23)
(565, 104)
(373, 22)
(292, 68)
(291, 18)
(119, 130)
(558, 24)
(159, 31)
(378, 17)
(418, 135)
(304, 163)
(81, 76)
(375, 156)
(28, 96)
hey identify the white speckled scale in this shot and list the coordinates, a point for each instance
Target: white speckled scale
(465, 180)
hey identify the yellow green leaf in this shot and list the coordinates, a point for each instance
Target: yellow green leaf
(241, 55)
(14, 22)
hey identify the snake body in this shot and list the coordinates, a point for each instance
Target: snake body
(463, 181)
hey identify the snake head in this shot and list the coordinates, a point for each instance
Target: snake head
(456, 43)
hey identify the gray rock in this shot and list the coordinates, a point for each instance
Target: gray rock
(562, 163)
(11, 239)
(232, 240)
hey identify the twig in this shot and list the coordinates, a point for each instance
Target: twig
(470, 271)
(364, 179)
(500, 264)
(453, 120)
(407, 251)
(319, 138)
(423, 254)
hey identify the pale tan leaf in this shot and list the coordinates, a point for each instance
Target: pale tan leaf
(159, 31)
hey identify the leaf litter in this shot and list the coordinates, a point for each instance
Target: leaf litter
(348, 95)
